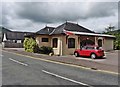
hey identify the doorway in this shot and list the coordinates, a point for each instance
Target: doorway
(100, 42)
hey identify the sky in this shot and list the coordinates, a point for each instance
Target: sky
(32, 16)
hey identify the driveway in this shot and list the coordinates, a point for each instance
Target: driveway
(110, 58)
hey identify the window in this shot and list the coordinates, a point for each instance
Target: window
(44, 39)
(55, 42)
(90, 48)
(71, 43)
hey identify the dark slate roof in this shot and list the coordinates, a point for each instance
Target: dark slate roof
(46, 30)
(71, 27)
(3, 29)
(15, 35)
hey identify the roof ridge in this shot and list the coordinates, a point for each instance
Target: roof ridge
(71, 22)
(52, 32)
(64, 27)
(50, 27)
(86, 28)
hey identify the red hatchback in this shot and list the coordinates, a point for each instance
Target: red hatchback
(92, 51)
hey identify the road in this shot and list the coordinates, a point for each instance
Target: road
(21, 70)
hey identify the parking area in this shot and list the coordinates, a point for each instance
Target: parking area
(110, 58)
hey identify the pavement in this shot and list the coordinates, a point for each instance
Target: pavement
(22, 69)
(107, 64)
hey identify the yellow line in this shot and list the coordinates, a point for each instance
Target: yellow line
(52, 61)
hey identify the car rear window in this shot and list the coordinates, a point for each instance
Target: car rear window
(90, 48)
(98, 48)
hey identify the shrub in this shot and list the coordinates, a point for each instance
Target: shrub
(30, 45)
(46, 50)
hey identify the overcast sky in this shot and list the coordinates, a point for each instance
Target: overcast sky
(32, 16)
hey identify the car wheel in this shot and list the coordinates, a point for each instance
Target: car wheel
(93, 56)
(76, 54)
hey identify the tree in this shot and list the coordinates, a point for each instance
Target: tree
(110, 28)
(117, 41)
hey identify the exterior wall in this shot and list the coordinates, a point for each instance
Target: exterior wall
(102, 38)
(108, 44)
(66, 50)
(39, 40)
(58, 50)
(62, 46)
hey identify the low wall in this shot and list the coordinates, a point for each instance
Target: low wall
(12, 45)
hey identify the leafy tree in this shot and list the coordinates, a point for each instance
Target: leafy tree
(110, 28)
(117, 40)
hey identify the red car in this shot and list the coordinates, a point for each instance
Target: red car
(91, 51)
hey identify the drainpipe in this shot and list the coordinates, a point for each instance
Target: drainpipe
(61, 46)
(95, 41)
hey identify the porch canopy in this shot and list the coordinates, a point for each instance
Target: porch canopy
(90, 34)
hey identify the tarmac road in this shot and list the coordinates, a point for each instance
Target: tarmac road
(21, 70)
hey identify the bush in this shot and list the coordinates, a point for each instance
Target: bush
(46, 50)
(30, 45)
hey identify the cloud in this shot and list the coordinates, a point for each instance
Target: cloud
(119, 15)
(7, 12)
(32, 16)
(56, 12)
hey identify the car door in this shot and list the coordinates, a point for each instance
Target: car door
(83, 51)
(89, 49)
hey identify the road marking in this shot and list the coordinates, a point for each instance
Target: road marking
(97, 60)
(56, 62)
(18, 62)
(71, 80)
